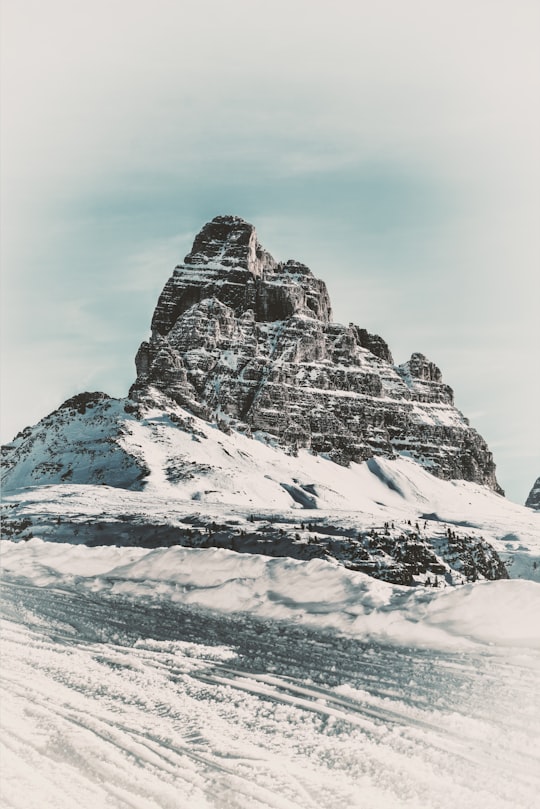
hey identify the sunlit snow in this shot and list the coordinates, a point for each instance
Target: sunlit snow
(202, 678)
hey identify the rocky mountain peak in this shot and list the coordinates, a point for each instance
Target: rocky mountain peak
(242, 339)
(425, 379)
(228, 263)
(420, 367)
(230, 241)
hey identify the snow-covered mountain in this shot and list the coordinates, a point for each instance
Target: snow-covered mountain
(208, 587)
(241, 337)
(242, 340)
(257, 424)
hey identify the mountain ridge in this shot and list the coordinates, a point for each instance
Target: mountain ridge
(248, 342)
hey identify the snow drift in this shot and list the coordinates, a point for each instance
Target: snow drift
(317, 593)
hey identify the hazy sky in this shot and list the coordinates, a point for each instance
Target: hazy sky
(391, 146)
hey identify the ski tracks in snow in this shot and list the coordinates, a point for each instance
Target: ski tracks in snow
(106, 703)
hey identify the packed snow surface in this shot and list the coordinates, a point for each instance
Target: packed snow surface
(204, 678)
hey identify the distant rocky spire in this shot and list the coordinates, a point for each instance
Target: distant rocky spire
(420, 367)
(533, 500)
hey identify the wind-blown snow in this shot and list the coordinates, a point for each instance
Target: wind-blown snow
(189, 463)
(242, 477)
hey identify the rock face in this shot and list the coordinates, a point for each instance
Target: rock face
(533, 500)
(228, 263)
(240, 338)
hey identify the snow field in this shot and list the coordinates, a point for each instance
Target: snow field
(200, 678)
(112, 704)
(229, 477)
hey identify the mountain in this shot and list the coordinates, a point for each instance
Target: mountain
(533, 499)
(240, 337)
(259, 425)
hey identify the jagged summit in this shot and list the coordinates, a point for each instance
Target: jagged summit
(240, 337)
(243, 348)
(228, 263)
(230, 242)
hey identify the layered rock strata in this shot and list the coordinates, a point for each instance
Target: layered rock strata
(240, 338)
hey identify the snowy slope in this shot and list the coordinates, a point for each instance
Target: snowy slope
(197, 476)
(186, 615)
(156, 677)
(209, 680)
(78, 443)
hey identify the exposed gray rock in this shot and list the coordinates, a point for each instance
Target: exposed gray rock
(239, 337)
(533, 500)
(230, 242)
(238, 272)
(373, 343)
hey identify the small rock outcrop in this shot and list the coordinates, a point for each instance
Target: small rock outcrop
(533, 500)
(241, 338)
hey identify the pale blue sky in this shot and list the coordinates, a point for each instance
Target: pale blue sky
(393, 147)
